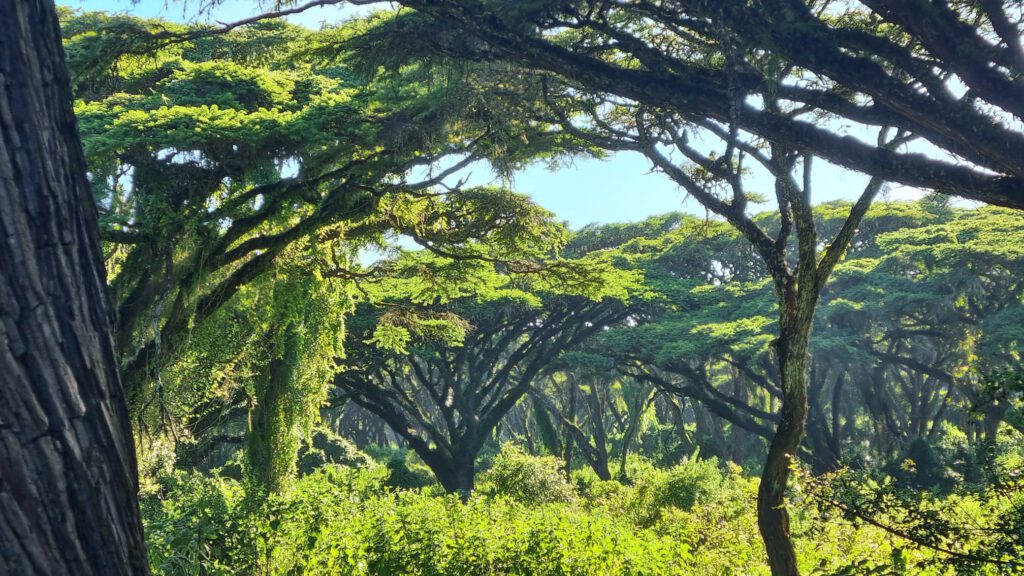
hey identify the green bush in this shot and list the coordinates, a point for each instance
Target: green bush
(339, 521)
(405, 469)
(528, 479)
(693, 519)
(190, 523)
(325, 447)
(682, 486)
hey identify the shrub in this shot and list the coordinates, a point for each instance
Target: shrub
(191, 524)
(325, 447)
(339, 521)
(681, 486)
(528, 479)
(694, 519)
(405, 469)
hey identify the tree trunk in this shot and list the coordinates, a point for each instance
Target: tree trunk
(794, 361)
(271, 446)
(629, 435)
(836, 438)
(823, 458)
(68, 478)
(995, 414)
(457, 476)
(567, 451)
(599, 463)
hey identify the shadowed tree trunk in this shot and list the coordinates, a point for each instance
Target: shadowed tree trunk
(567, 452)
(793, 352)
(68, 485)
(636, 412)
(598, 457)
(593, 445)
(457, 475)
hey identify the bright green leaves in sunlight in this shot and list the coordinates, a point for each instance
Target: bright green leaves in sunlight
(305, 284)
(479, 246)
(239, 177)
(211, 153)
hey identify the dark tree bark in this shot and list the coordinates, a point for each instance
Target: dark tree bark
(68, 484)
(598, 457)
(793, 348)
(456, 475)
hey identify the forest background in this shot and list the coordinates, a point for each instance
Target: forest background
(495, 392)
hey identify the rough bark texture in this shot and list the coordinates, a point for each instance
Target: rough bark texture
(772, 516)
(68, 487)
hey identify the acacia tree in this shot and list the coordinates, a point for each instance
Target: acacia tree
(708, 281)
(621, 87)
(454, 335)
(68, 486)
(798, 273)
(918, 313)
(252, 147)
(712, 284)
(257, 371)
(446, 400)
(767, 70)
(926, 310)
(249, 144)
(942, 71)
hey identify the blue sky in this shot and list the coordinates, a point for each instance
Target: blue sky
(619, 189)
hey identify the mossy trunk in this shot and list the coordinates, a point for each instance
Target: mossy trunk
(794, 361)
(271, 445)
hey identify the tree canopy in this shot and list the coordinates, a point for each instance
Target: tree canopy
(343, 352)
(943, 73)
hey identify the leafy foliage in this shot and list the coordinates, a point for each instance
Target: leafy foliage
(255, 186)
(345, 521)
(528, 479)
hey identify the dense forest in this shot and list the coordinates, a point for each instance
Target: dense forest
(255, 318)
